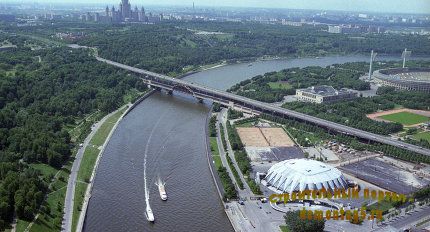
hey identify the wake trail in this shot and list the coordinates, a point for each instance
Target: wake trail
(144, 160)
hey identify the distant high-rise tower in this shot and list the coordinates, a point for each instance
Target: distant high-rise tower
(142, 16)
(405, 54)
(194, 11)
(125, 9)
(372, 58)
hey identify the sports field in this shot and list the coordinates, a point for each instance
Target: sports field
(405, 118)
(264, 137)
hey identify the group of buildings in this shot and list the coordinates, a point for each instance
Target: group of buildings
(354, 29)
(124, 13)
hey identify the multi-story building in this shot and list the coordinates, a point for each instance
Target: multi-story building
(324, 94)
(125, 13)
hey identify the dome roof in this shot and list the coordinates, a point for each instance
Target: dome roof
(301, 174)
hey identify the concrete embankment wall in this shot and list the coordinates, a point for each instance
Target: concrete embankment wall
(138, 101)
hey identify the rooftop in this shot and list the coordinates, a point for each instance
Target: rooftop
(324, 90)
(300, 174)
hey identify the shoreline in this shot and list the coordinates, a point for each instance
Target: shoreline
(87, 197)
(216, 177)
(82, 214)
(264, 58)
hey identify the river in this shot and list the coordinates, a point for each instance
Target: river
(177, 151)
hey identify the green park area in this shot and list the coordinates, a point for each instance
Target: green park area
(89, 160)
(406, 118)
(215, 152)
(279, 85)
(51, 211)
(423, 135)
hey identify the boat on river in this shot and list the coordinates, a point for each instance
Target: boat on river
(149, 215)
(162, 189)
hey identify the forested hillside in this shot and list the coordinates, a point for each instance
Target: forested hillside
(173, 48)
(44, 93)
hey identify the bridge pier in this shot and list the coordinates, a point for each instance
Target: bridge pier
(200, 99)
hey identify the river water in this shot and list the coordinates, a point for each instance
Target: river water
(176, 152)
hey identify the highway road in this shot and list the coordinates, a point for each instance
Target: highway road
(167, 82)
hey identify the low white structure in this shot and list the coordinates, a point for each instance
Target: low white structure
(324, 94)
(304, 174)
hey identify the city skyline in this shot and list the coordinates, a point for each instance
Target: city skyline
(394, 6)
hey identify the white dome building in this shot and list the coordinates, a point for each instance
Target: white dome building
(304, 174)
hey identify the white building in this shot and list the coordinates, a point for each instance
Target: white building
(304, 174)
(324, 94)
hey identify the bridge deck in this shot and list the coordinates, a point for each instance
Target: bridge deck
(202, 91)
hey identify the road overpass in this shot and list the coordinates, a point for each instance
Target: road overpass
(229, 99)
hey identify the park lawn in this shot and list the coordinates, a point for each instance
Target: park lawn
(406, 118)
(284, 229)
(50, 220)
(47, 222)
(104, 130)
(279, 85)
(423, 135)
(215, 152)
(46, 170)
(87, 164)
(21, 225)
(80, 190)
(88, 161)
(247, 124)
(217, 160)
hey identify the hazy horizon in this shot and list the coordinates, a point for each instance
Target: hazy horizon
(394, 6)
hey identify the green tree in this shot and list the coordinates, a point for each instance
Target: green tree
(296, 224)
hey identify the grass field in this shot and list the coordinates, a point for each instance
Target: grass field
(279, 85)
(246, 124)
(423, 135)
(89, 160)
(215, 152)
(405, 118)
(50, 218)
(284, 229)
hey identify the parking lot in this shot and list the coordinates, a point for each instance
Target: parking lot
(385, 175)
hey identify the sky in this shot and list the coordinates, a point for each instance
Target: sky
(398, 6)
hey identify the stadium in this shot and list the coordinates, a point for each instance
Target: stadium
(411, 79)
(304, 174)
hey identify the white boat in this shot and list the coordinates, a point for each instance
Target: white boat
(149, 215)
(162, 190)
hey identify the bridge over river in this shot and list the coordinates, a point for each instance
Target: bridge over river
(232, 100)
